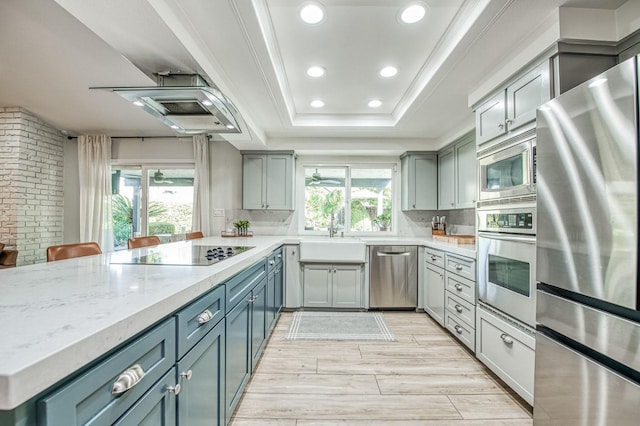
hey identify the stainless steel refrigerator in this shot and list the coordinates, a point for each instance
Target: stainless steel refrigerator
(588, 317)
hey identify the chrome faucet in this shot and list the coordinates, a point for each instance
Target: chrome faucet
(332, 231)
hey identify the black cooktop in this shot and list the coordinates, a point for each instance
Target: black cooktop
(180, 255)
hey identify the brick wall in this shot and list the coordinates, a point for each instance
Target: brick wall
(31, 188)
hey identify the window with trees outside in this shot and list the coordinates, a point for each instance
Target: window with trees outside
(355, 199)
(159, 204)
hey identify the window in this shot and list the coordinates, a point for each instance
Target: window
(360, 196)
(161, 204)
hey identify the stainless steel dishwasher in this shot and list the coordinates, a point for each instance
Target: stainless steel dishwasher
(393, 277)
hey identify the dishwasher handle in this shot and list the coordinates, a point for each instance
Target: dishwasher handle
(387, 253)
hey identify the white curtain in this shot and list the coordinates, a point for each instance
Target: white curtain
(94, 166)
(201, 217)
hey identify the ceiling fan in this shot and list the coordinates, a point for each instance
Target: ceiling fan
(316, 179)
(158, 177)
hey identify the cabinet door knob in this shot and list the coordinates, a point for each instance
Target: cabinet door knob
(187, 375)
(458, 267)
(127, 379)
(414, 206)
(458, 287)
(205, 317)
(458, 329)
(267, 205)
(433, 258)
(500, 126)
(272, 262)
(263, 206)
(279, 256)
(458, 309)
(175, 389)
(451, 204)
(508, 340)
(509, 122)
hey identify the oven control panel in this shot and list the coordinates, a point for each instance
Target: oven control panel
(509, 221)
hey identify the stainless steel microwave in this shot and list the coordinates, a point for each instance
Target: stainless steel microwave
(508, 171)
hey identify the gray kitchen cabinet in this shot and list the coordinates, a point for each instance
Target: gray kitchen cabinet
(201, 374)
(457, 180)
(490, 118)
(434, 293)
(267, 181)
(513, 105)
(332, 286)
(508, 349)
(419, 181)
(466, 184)
(274, 286)
(446, 179)
(89, 398)
(460, 298)
(238, 353)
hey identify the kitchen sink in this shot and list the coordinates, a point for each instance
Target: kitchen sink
(332, 250)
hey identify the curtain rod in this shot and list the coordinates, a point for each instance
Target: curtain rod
(145, 137)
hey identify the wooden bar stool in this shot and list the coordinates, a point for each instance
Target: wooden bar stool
(194, 235)
(139, 242)
(68, 251)
(8, 258)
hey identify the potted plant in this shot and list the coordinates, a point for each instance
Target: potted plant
(242, 227)
(383, 221)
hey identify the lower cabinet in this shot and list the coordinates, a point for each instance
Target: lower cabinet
(201, 374)
(259, 325)
(156, 408)
(332, 286)
(238, 353)
(508, 349)
(434, 293)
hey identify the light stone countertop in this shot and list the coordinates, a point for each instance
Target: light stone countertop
(57, 317)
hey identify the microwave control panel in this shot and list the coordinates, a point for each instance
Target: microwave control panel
(509, 221)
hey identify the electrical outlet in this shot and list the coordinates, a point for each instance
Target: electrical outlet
(218, 212)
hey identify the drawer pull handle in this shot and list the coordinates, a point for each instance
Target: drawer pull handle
(458, 287)
(279, 256)
(458, 267)
(175, 389)
(272, 262)
(187, 375)
(458, 329)
(128, 379)
(433, 258)
(205, 317)
(506, 339)
(458, 309)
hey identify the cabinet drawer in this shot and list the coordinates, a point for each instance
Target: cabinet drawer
(434, 257)
(195, 321)
(461, 287)
(464, 311)
(274, 260)
(508, 351)
(460, 330)
(88, 398)
(462, 266)
(241, 284)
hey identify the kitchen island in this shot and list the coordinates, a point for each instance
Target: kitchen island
(59, 317)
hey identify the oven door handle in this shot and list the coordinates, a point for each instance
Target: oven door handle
(529, 239)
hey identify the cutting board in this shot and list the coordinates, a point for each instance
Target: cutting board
(455, 239)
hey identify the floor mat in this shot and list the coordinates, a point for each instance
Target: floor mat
(309, 325)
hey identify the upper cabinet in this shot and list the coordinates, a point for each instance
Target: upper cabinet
(457, 177)
(419, 181)
(514, 105)
(267, 181)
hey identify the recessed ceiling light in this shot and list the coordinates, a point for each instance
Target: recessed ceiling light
(312, 13)
(138, 103)
(413, 13)
(230, 126)
(207, 102)
(317, 103)
(173, 126)
(388, 71)
(374, 103)
(316, 71)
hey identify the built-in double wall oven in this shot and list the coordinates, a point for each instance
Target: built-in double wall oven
(506, 214)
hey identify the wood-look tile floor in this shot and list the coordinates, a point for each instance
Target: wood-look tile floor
(424, 378)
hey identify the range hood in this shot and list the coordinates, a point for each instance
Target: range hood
(186, 103)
